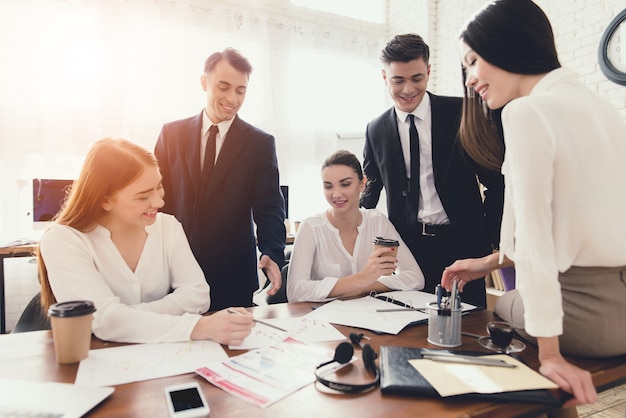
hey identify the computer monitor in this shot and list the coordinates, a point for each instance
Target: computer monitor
(48, 198)
(285, 191)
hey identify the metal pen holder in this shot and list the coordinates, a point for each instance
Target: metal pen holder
(444, 326)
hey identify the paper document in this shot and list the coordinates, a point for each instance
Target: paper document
(362, 313)
(416, 299)
(302, 329)
(388, 312)
(450, 379)
(268, 374)
(132, 363)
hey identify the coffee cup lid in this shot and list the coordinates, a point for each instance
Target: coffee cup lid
(386, 242)
(71, 308)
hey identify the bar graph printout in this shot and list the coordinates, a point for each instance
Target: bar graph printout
(268, 374)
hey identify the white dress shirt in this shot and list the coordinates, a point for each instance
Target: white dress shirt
(565, 193)
(430, 209)
(130, 306)
(319, 258)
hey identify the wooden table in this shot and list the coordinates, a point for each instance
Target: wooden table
(9, 252)
(30, 356)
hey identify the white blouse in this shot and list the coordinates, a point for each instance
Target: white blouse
(319, 258)
(565, 191)
(131, 306)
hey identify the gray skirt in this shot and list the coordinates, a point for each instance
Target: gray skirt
(594, 306)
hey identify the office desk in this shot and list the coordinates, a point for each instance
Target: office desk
(9, 252)
(30, 356)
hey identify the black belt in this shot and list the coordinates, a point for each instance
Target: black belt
(430, 230)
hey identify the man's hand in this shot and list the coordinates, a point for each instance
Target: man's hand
(272, 272)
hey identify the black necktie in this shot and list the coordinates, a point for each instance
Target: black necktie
(209, 155)
(415, 156)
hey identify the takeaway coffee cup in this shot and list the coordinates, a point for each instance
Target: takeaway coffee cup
(390, 244)
(501, 333)
(71, 329)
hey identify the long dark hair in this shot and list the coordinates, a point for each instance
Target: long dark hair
(514, 35)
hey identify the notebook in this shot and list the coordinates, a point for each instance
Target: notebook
(398, 377)
(48, 399)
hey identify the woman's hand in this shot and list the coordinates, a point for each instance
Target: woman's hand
(366, 280)
(378, 265)
(570, 378)
(224, 327)
(464, 271)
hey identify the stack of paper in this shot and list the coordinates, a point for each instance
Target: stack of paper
(266, 375)
(388, 312)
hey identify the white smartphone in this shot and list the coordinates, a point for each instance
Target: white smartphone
(186, 401)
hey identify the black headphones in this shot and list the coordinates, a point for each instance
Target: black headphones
(343, 354)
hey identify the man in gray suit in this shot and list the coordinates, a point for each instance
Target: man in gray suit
(433, 196)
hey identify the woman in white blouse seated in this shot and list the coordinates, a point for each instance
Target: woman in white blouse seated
(333, 255)
(110, 245)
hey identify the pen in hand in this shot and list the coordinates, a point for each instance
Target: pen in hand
(232, 311)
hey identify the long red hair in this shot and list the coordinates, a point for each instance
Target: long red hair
(111, 164)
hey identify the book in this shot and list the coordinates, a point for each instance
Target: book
(489, 281)
(497, 279)
(398, 377)
(508, 278)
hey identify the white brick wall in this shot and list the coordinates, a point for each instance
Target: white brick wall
(578, 27)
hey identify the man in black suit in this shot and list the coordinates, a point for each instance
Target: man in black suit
(433, 196)
(220, 176)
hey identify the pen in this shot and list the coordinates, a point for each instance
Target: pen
(400, 310)
(480, 361)
(469, 334)
(258, 321)
(453, 294)
(439, 293)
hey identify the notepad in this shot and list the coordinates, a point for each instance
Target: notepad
(398, 377)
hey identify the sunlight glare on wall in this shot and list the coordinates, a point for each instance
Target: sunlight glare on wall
(370, 10)
(60, 56)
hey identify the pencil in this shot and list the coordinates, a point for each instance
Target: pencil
(480, 361)
(258, 321)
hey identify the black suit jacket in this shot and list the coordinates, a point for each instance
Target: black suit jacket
(475, 222)
(219, 220)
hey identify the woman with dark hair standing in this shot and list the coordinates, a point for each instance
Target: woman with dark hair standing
(565, 197)
(110, 245)
(334, 255)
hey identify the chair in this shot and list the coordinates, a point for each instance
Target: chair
(281, 295)
(32, 318)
